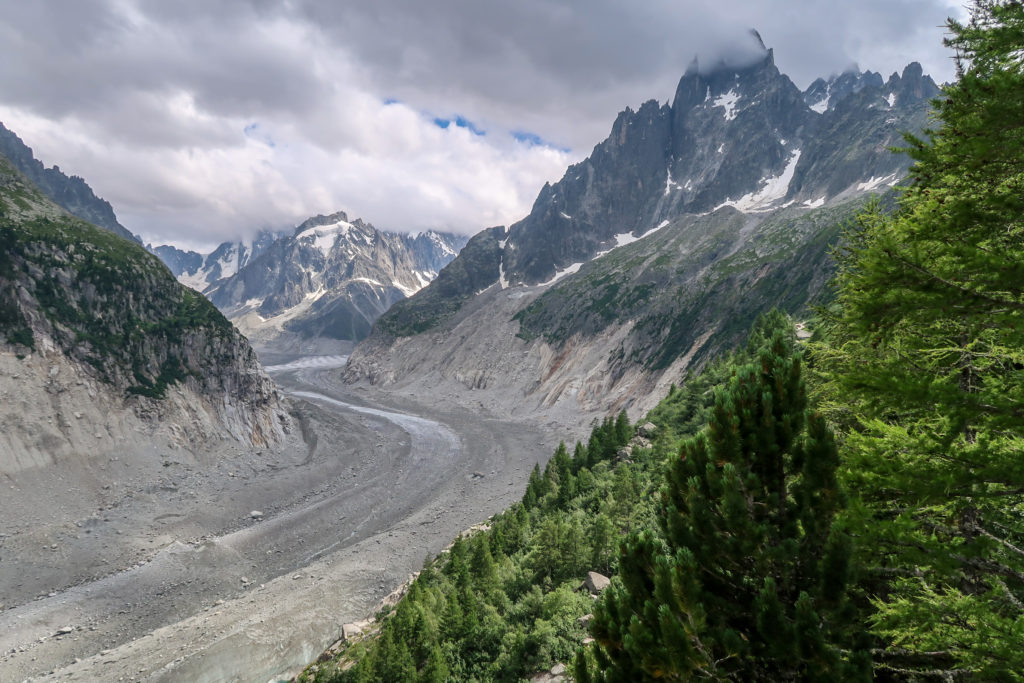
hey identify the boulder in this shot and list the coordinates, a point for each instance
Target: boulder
(647, 430)
(595, 583)
(639, 442)
(350, 631)
(585, 620)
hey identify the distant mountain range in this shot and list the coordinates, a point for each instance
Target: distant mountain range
(661, 248)
(330, 278)
(202, 271)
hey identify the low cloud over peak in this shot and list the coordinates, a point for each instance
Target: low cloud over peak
(200, 121)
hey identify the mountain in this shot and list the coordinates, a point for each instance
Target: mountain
(71, 193)
(204, 271)
(101, 349)
(330, 279)
(825, 93)
(660, 248)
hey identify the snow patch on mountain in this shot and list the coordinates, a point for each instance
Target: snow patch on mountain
(671, 184)
(728, 103)
(771, 189)
(568, 270)
(874, 183)
(324, 237)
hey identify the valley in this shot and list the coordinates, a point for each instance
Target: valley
(362, 490)
(735, 397)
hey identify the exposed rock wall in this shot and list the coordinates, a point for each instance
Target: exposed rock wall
(91, 323)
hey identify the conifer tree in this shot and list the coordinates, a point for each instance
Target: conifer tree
(925, 355)
(534, 488)
(748, 578)
(623, 430)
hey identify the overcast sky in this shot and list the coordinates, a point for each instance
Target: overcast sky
(206, 120)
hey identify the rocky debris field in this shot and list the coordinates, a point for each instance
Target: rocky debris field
(244, 564)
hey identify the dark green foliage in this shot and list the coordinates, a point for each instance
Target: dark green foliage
(504, 603)
(748, 577)
(923, 363)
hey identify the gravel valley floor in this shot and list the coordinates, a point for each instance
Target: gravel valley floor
(136, 573)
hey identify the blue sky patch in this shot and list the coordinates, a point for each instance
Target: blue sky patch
(533, 140)
(460, 122)
(256, 132)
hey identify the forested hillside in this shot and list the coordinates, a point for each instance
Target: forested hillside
(846, 509)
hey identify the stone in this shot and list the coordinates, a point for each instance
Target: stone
(256, 514)
(64, 630)
(585, 620)
(349, 631)
(647, 430)
(595, 583)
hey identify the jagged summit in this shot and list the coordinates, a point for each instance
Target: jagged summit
(203, 272)
(733, 136)
(668, 238)
(823, 93)
(330, 277)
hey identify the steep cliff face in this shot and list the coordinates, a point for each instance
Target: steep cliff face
(83, 311)
(662, 247)
(743, 138)
(72, 193)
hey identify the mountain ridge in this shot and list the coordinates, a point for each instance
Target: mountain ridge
(93, 325)
(330, 278)
(69, 192)
(739, 173)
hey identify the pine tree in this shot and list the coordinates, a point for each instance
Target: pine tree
(748, 577)
(623, 430)
(534, 488)
(925, 355)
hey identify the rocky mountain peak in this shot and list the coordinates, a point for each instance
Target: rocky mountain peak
(320, 220)
(330, 278)
(912, 84)
(825, 94)
(699, 84)
(743, 138)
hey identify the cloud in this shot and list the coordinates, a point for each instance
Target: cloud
(205, 121)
